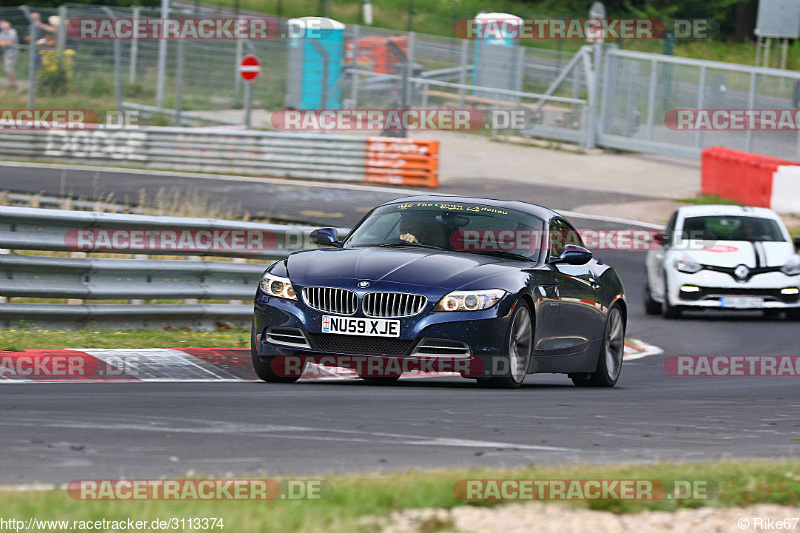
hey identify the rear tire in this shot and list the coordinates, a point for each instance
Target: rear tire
(609, 359)
(262, 367)
(519, 344)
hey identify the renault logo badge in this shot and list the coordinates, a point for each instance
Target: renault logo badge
(741, 272)
(363, 284)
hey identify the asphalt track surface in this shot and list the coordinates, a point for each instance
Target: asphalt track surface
(64, 431)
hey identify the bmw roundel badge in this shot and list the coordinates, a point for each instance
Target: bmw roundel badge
(363, 284)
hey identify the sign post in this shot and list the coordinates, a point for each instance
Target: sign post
(249, 69)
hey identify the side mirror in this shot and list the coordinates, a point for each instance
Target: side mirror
(325, 237)
(797, 243)
(573, 255)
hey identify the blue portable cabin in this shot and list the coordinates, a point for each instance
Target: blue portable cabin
(313, 42)
(495, 55)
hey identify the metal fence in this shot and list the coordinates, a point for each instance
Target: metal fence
(618, 100)
(640, 88)
(136, 278)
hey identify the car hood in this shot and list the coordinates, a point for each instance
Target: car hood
(734, 253)
(431, 268)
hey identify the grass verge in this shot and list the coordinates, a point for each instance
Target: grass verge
(358, 499)
(17, 339)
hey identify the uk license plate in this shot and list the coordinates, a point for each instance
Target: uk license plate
(368, 327)
(741, 302)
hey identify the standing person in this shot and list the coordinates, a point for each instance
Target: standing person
(10, 46)
(38, 35)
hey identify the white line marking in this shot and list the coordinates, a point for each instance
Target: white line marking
(642, 349)
(615, 220)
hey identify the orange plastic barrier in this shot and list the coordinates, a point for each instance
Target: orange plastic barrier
(739, 176)
(374, 52)
(402, 161)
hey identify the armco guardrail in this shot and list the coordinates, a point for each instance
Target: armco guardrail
(138, 279)
(284, 154)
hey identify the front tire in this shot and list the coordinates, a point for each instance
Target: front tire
(651, 307)
(519, 344)
(609, 360)
(667, 309)
(262, 367)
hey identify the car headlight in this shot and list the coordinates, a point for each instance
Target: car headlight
(792, 268)
(469, 300)
(685, 264)
(278, 287)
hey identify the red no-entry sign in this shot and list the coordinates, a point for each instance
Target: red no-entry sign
(249, 68)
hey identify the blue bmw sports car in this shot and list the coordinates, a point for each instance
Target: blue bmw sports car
(498, 289)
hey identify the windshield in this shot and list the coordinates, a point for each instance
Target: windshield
(732, 228)
(472, 228)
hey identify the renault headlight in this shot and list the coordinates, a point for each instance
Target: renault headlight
(686, 264)
(792, 268)
(469, 300)
(278, 287)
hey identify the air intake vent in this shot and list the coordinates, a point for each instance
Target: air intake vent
(442, 347)
(393, 304)
(331, 300)
(287, 337)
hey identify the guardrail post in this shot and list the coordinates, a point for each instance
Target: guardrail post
(179, 84)
(651, 99)
(462, 75)
(162, 58)
(134, 49)
(138, 301)
(4, 299)
(76, 301)
(61, 31)
(751, 102)
(237, 260)
(32, 53)
(192, 301)
(701, 97)
(117, 65)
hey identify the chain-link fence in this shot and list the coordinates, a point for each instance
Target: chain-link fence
(564, 95)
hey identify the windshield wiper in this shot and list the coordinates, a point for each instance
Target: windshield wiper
(499, 253)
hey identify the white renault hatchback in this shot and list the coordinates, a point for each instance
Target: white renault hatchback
(722, 256)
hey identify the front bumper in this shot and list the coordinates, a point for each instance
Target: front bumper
(706, 289)
(482, 332)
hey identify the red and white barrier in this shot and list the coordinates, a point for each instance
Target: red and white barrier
(751, 179)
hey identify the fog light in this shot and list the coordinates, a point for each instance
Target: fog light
(790, 290)
(690, 288)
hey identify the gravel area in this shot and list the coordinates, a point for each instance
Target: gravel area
(537, 517)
